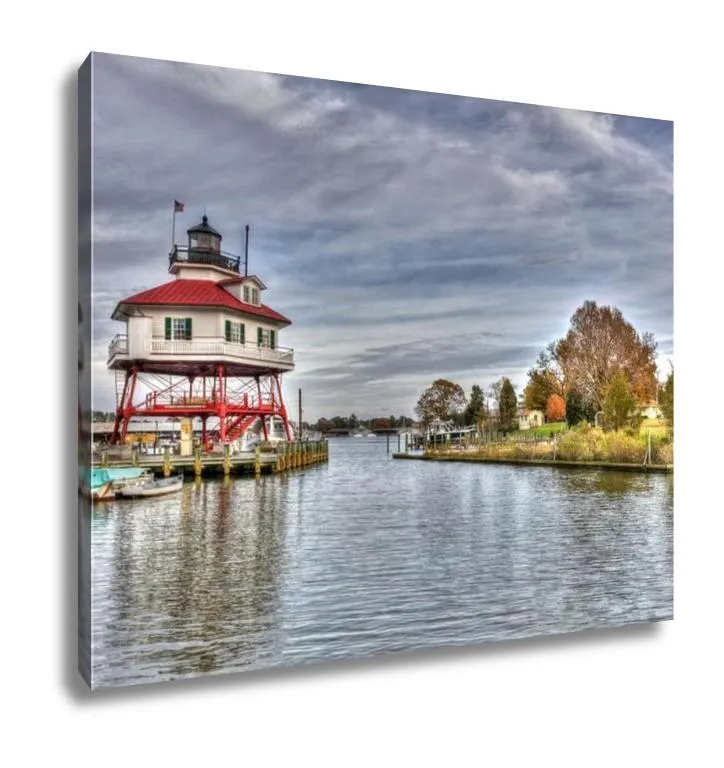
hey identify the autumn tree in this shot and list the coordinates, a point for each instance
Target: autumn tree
(542, 383)
(599, 345)
(442, 400)
(619, 403)
(508, 404)
(555, 408)
(666, 399)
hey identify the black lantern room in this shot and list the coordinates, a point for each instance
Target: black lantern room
(203, 237)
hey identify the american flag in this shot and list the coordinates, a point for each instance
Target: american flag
(178, 207)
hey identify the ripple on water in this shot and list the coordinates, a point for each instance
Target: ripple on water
(369, 555)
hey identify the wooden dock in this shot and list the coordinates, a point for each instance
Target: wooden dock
(281, 458)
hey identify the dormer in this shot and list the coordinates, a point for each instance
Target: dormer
(247, 289)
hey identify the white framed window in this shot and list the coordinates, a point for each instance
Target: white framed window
(234, 332)
(255, 296)
(247, 294)
(177, 328)
(266, 338)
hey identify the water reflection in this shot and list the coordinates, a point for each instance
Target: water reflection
(366, 555)
(606, 481)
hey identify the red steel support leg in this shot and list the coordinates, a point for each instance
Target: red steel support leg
(283, 410)
(115, 435)
(128, 410)
(259, 405)
(222, 403)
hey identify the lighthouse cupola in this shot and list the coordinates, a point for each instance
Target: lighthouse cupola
(204, 238)
(202, 257)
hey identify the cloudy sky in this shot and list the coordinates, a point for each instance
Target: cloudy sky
(408, 235)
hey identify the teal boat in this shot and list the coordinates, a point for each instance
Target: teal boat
(116, 478)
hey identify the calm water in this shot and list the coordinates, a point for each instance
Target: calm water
(368, 555)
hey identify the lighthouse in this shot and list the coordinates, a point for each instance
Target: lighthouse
(203, 346)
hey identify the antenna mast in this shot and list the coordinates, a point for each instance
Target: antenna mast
(246, 253)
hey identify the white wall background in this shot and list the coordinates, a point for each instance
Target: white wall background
(632, 697)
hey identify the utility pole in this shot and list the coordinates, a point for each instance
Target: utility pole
(300, 414)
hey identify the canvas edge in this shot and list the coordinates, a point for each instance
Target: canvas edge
(85, 193)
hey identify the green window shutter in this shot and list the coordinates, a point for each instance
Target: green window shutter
(259, 337)
(188, 327)
(167, 329)
(242, 329)
(273, 339)
(227, 330)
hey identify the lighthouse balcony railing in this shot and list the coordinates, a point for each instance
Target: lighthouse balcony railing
(118, 345)
(182, 254)
(205, 347)
(222, 348)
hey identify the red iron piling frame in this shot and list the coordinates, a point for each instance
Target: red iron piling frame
(236, 407)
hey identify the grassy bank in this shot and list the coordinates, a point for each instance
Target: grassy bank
(477, 459)
(545, 430)
(580, 444)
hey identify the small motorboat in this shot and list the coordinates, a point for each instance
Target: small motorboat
(152, 487)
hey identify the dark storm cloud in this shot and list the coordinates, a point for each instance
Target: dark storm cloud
(384, 218)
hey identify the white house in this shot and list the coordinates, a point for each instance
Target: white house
(650, 410)
(529, 419)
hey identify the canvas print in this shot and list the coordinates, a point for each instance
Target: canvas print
(363, 370)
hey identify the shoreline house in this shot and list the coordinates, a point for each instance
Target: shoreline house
(650, 410)
(529, 419)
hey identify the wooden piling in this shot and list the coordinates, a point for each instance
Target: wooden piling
(198, 465)
(257, 460)
(227, 459)
(166, 463)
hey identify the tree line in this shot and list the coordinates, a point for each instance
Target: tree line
(602, 371)
(351, 422)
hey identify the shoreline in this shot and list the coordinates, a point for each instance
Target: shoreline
(607, 465)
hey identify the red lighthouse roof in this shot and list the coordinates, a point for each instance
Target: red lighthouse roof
(197, 293)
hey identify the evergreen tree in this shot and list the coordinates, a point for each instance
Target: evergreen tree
(577, 410)
(474, 412)
(666, 399)
(508, 404)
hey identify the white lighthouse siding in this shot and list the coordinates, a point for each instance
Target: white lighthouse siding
(200, 272)
(147, 337)
(208, 323)
(204, 322)
(139, 330)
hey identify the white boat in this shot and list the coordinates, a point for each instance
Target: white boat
(153, 487)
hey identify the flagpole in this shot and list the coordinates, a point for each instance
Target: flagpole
(173, 227)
